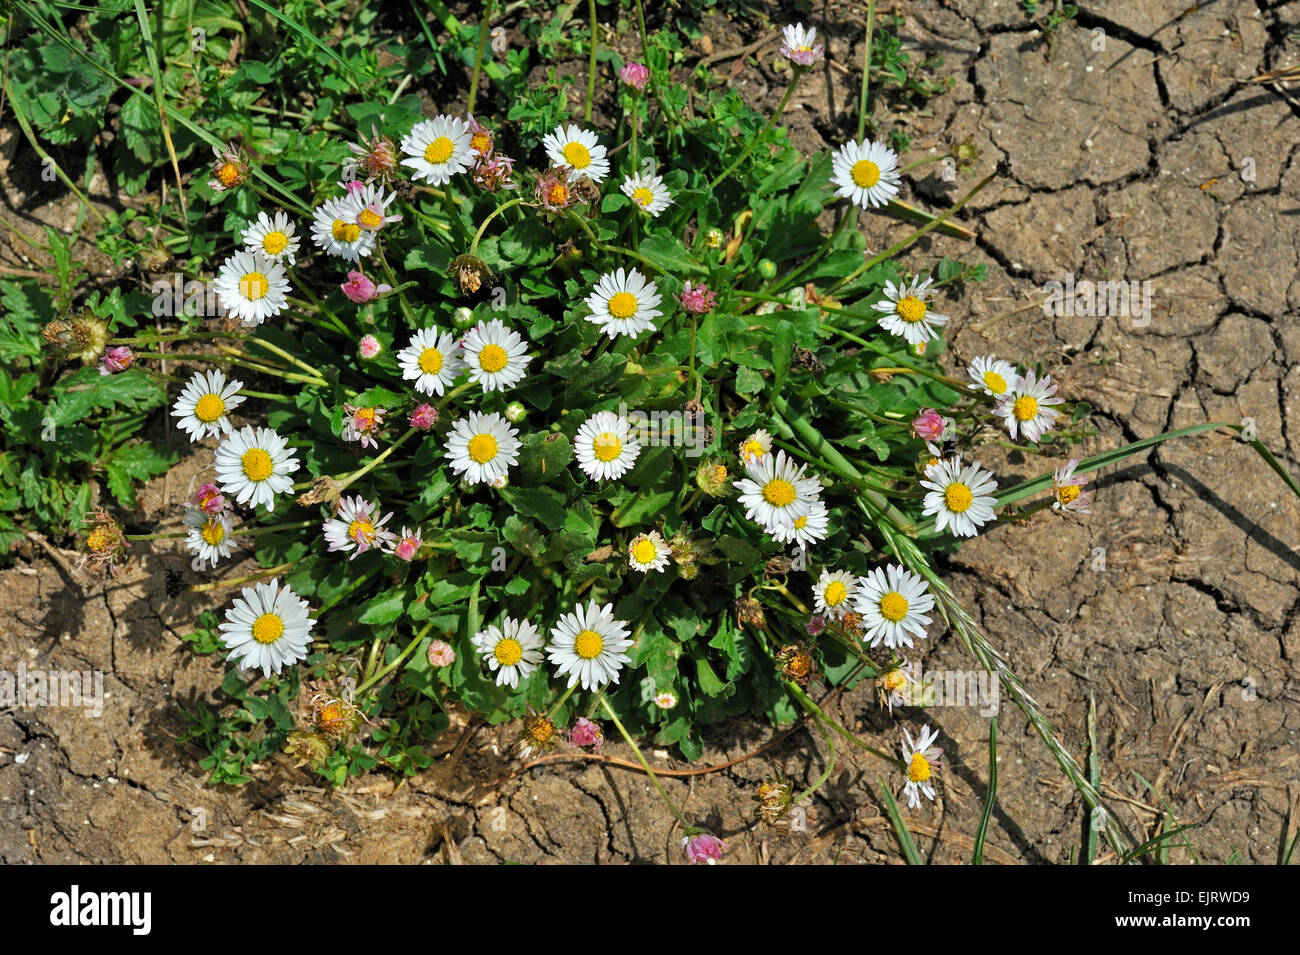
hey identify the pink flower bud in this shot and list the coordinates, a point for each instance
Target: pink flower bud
(409, 545)
(928, 425)
(424, 417)
(115, 360)
(586, 733)
(703, 847)
(697, 298)
(441, 654)
(369, 346)
(360, 289)
(635, 75)
(209, 499)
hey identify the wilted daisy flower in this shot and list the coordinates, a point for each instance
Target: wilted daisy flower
(375, 157)
(273, 236)
(800, 46)
(584, 733)
(358, 528)
(438, 149)
(105, 543)
(960, 499)
(1067, 489)
(512, 650)
(116, 359)
(892, 603)
(588, 645)
(906, 312)
(495, 355)
(624, 303)
(480, 137)
(553, 190)
(834, 593)
(208, 537)
(604, 446)
(359, 289)
(865, 173)
(255, 465)
(251, 285)
(647, 552)
(204, 403)
(649, 193)
(992, 375)
(538, 736)
(230, 168)
(495, 172)
(755, 446)
(208, 499)
(423, 417)
(408, 545)
(334, 229)
(481, 447)
(775, 492)
(362, 424)
(893, 686)
(432, 360)
(267, 627)
(1026, 408)
(372, 207)
(577, 148)
(922, 758)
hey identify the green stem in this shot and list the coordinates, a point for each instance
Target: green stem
(397, 287)
(672, 806)
(866, 70)
(671, 118)
(406, 652)
(591, 63)
(550, 713)
(478, 236)
(753, 143)
(347, 480)
(287, 375)
(478, 56)
(806, 702)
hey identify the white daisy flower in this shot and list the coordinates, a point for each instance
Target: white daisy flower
(1067, 489)
(605, 447)
(775, 492)
(907, 313)
(372, 202)
(993, 376)
(251, 285)
(624, 303)
(512, 650)
(358, 528)
(208, 537)
(647, 552)
(273, 236)
(834, 593)
(922, 757)
(800, 46)
(334, 229)
(267, 627)
(204, 404)
(755, 446)
(495, 355)
(437, 149)
(893, 603)
(588, 645)
(577, 148)
(806, 529)
(866, 173)
(649, 193)
(960, 499)
(255, 465)
(432, 360)
(481, 447)
(1027, 407)
(894, 687)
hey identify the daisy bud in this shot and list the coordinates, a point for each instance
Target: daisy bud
(441, 654)
(359, 289)
(635, 75)
(767, 268)
(713, 238)
(501, 481)
(917, 349)
(209, 500)
(115, 360)
(666, 700)
(369, 347)
(697, 299)
(424, 417)
(352, 186)
(406, 548)
(586, 733)
(928, 425)
(703, 847)
(516, 412)
(463, 318)
(307, 748)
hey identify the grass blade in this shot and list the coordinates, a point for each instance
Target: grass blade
(311, 38)
(900, 827)
(977, 857)
(1094, 777)
(146, 36)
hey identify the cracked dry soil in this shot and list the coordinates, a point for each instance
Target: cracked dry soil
(1127, 162)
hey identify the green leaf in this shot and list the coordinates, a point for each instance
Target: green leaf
(668, 255)
(384, 608)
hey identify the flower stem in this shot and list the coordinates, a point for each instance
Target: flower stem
(749, 148)
(672, 806)
(478, 57)
(239, 581)
(478, 236)
(591, 63)
(347, 480)
(387, 669)
(866, 70)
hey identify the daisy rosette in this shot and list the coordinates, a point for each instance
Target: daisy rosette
(268, 627)
(647, 552)
(274, 236)
(1067, 489)
(204, 404)
(960, 498)
(254, 465)
(624, 302)
(893, 604)
(512, 650)
(432, 360)
(605, 447)
(865, 173)
(776, 493)
(481, 447)
(577, 148)
(208, 537)
(437, 149)
(922, 758)
(358, 528)
(335, 231)
(907, 312)
(806, 529)
(834, 593)
(993, 376)
(648, 193)
(589, 646)
(251, 285)
(497, 357)
(1027, 407)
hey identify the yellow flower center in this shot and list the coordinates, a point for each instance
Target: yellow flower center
(1068, 493)
(576, 155)
(508, 652)
(622, 305)
(865, 174)
(800, 522)
(209, 408)
(588, 644)
(430, 361)
(779, 492)
(753, 449)
(919, 771)
(482, 448)
(835, 593)
(213, 532)
(892, 680)
(720, 473)
(893, 606)
(274, 243)
(331, 714)
(361, 529)
(911, 309)
(1025, 408)
(642, 196)
(994, 382)
(370, 219)
(957, 497)
(558, 194)
(228, 174)
(268, 628)
(345, 231)
(645, 552)
(257, 464)
(438, 151)
(254, 286)
(98, 540)
(363, 419)
(492, 358)
(606, 446)
(481, 143)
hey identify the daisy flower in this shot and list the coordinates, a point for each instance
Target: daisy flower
(372, 207)
(604, 446)
(624, 303)
(358, 528)
(588, 645)
(512, 650)
(865, 173)
(648, 192)
(495, 355)
(251, 285)
(906, 312)
(482, 447)
(334, 229)
(892, 603)
(834, 593)
(992, 376)
(437, 149)
(893, 686)
(376, 157)
(755, 446)
(408, 545)
(229, 169)
(922, 757)
(432, 360)
(1026, 407)
(775, 492)
(1067, 489)
(647, 552)
(362, 424)
(267, 627)
(274, 236)
(799, 46)
(806, 529)
(205, 402)
(255, 465)
(577, 148)
(208, 537)
(960, 499)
